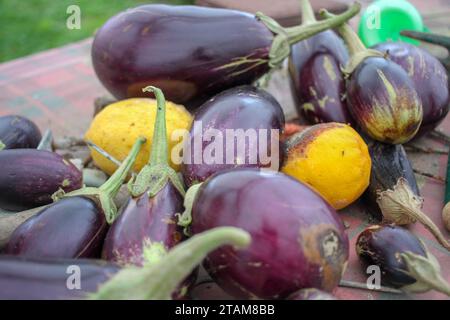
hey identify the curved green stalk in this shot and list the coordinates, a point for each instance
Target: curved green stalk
(307, 12)
(105, 193)
(157, 173)
(185, 219)
(158, 281)
(285, 37)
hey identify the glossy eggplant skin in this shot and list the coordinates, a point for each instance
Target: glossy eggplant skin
(29, 177)
(317, 82)
(17, 132)
(389, 164)
(381, 245)
(73, 227)
(311, 294)
(47, 279)
(429, 77)
(239, 109)
(189, 52)
(144, 220)
(383, 101)
(298, 240)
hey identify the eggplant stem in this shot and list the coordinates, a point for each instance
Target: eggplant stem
(307, 12)
(157, 172)
(158, 281)
(285, 37)
(185, 219)
(359, 285)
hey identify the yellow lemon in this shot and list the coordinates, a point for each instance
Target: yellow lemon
(333, 159)
(117, 126)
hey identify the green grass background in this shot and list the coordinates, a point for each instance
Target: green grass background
(29, 26)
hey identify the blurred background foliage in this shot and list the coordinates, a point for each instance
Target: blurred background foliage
(29, 26)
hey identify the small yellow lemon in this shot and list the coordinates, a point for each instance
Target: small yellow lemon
(333, 159)
(117, 126)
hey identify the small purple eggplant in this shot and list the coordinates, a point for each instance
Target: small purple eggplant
(298, 240)
(17, 132)
(49, 279)
(403, 259)
(239, 127)
(29, 177)
(381, 97)
(75, 226)
(311, 294)
(429, 77)
(192, 52)
(316, 79)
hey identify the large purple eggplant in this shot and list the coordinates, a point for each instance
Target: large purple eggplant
(381, 97)
(429, 77)
(45, 279)
(190, 52)
(74, 226)
(29, 177)
(17, 132)
(239, 127)
(316, 79)
(403, 259)
(298, 240)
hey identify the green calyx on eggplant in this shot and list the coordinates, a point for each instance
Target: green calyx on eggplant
(176, 48)
(393, 192)
(303, 245)
(256, 121)
(381, 97)
(75, 225)
(403, 259)
(146, 228)
(317, 82)
(159, 280)
(17, 132)
(30, 177)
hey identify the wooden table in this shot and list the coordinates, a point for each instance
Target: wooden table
(56, 88)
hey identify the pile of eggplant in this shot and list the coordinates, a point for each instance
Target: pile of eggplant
(257, 232)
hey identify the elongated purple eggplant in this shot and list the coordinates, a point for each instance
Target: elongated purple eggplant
(403, 259)
(239, 127)
(17, 132)
(190, 52)
(298, 239)
(381, 97)
(311, 294)
(50, 279)
(76, 225)
(429, 77)
(29, 177)
(393, 194)
(317, 82)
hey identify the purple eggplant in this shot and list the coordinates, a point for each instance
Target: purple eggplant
(76, 225)
(429, 77)
(49, 279)
(255, 120)
(29, 177)
(311, 294)
(403, 259)
(298, 240)
(316, 79)
(380, 95)
(190, 52)
(17, 132)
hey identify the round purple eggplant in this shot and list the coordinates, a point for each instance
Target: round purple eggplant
(190, 52)
(403, 259)
(317, 82)
(311, 294)
(380, 95)
(30, 177)
(48, 279)
(429, 77)
(239, 127)
(298, 240)
(17, 132)
(74, 226)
